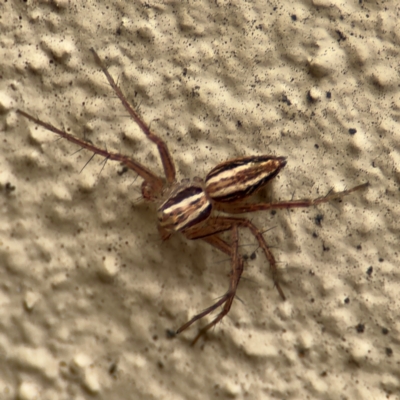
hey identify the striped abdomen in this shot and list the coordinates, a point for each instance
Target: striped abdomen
(239, 178)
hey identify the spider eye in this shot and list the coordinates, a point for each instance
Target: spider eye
(149, 192)
(239, 178)
(186, 207)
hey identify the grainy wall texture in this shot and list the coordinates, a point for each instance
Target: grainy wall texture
(88, 290)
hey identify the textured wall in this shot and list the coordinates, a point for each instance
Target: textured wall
(87, 288)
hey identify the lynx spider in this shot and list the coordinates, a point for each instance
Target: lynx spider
(187, 206)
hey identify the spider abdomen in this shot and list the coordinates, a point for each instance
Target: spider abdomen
(239, 178)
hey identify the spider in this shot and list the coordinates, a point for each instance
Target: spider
(188, 206)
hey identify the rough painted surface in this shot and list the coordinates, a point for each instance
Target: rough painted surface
(87, 288)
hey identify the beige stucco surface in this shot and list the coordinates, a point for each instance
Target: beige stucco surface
(87, 288)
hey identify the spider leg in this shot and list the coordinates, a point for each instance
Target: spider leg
(155, 181)
(245, 223)
(208, 233)
(240, 208)
(166, 159)
(227, 298)
(221, 224)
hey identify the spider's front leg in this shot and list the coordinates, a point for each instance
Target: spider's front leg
(166, 159)
(153, 185)
(151, 179)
